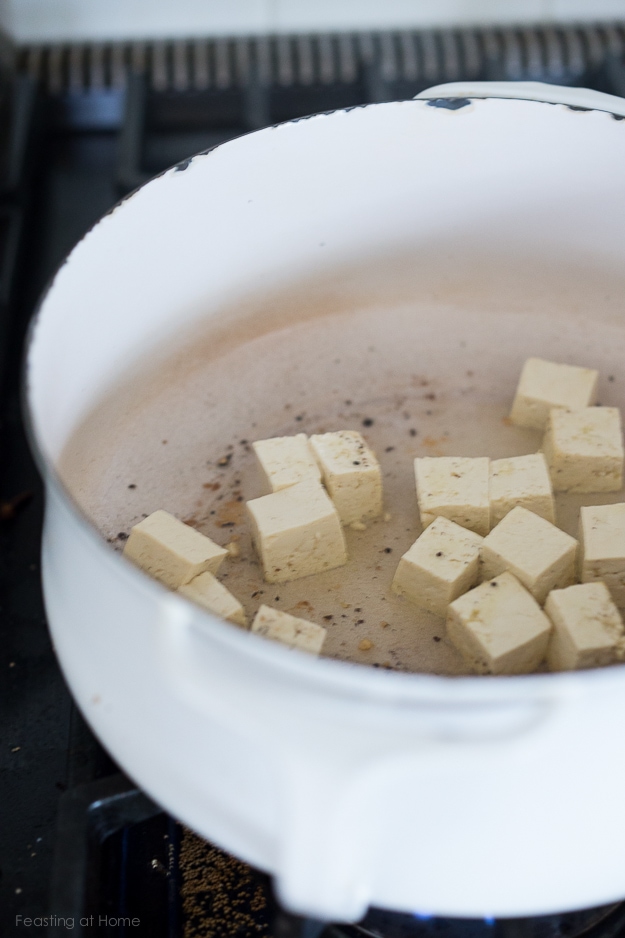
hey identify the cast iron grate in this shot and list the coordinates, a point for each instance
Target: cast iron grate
(408, 59)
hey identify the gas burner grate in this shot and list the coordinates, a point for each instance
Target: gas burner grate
(392, 64)
(605, 922)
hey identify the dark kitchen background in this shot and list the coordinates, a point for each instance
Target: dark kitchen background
(82, 123)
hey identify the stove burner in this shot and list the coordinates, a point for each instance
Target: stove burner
(604, 922)
(109, 833)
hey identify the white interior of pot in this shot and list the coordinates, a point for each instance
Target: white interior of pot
(510, 179)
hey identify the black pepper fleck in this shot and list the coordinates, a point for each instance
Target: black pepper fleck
(436, 638)
(132, 486)
(439, 553)
(389, 449)
(367, 422)
(122, 536)
(299, 417)
(355, 463)
(494, 583)
(388, 550)
(413, 432)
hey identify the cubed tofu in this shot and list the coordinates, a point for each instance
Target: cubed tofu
(584, 449)
(208, 592)
(171, 551)
(499, 628)
(291, 631)
(285, 460)
(587, 628)
(454, 487)
(524, 481)
(541, 556)
(297, 532)
(602, 547)
(442, 564)
(544, 385)
(351, 474)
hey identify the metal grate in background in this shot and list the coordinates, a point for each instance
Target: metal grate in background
(408, 58)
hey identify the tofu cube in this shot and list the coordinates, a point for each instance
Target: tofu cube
(442, 564)
(297, 532)
(171, 551)
(351, 474)
(602, 548)
(524, 481)
(291, 631)
(587, 632)
(285, 460)
(584, 449)
(544, 385)
(499, 628)
(208, 592)
(454, 487)
(541, 556)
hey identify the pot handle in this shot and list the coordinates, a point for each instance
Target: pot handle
(579, 98)
(332, 822)
(332, 777)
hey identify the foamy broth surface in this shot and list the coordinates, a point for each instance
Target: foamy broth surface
(422, 360)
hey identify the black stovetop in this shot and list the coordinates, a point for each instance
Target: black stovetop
(80, 126)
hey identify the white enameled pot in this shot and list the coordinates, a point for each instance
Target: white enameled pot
(351, 786)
